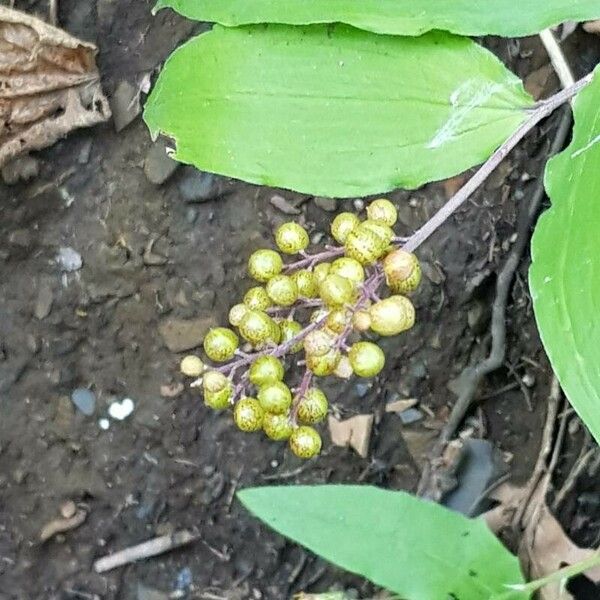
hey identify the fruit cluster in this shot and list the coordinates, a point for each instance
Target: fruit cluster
(337, 292)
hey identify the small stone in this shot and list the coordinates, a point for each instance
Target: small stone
(411, 415)
(171, 390)
(69, 260)
(358, 204)
(146, 593)
(180, 335)
(104, 424)
(362, 389)
(198, 186)
(43, 303)
(125, 104)
(68, 508)
(528, 380)
(84, 400)
(121, 410)
(327, 204)
(158, 165)
(280, 203)
(317, 237)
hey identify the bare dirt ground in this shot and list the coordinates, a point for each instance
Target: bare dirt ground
(173, 464)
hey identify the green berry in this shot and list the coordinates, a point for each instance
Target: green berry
(364, 246)
(305, 281)
(275, 397)
(361, 320)
(266, 369)
(214, 381)
(323, 365)
(336, 290)
(392, 315)
(256, 327)
(264, 264)
(237, 313)
(320, 272)
(275, 334)
(348, 268)
(342, 225)
(382, 211)
(402, 271)
(291, 238)
(312, 407)
(220, 344)
(277, 427)
(383, 232)
(282, 290)
(367, 359)
(318, 343)
(256, 298)
(218, 400)
(305, 442)
(248, 414)
(337, 320)
(290, 329)
(344, 368)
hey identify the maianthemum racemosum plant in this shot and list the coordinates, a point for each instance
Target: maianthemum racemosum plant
(318, 304)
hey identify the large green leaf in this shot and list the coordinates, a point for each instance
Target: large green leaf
(397, 17)
(415, 548)
(565, 272)
(334, 111)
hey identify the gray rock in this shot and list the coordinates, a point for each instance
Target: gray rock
(184, 334)
(410, 415)
(198, 186)
(280, 203)
(328, 204)
(362, 389)
(69, 260)
(43, 302)
(84, 400)
(146, 593)
(125, 104)
(22, 168)
(158, 165)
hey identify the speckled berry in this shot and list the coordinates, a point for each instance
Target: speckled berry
(214, 381)
(282, 290)
(289, 330)
(318, 342)
(336, 290)
(364, 246)
(265, 369)
(348, 268)
(323, 365)
(305, 442)
(367, 359)
(383, 232)
(264, 264)
(312, 407)
(320, 272)
(218, 400)
(256, 327)
(192, 366)
(277, 427)
(337, 320)
(291, 238)
(382, 211)
(402, 271)
(220, 344)
(256, 298)
(361, 320)
(344, 368)
(392, 315)
(237, 313)
(248, 414)
(342, 225)
(275, 397)
(305, 281)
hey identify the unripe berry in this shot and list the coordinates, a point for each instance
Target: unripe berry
(277, 427)
(361, 320)
(305, 442)
(383, 232)
(320, 272)
(318, 343)
(364, 246)
(344, 368)
(256, 327)
(337, 320)
(192, 366)
(382, 211)
(305, 281)
(392, 315)
(237, 313)
(275, 397)
(290, 329)
(367, 359)
(256, 298)
(342, 225)
(248, 414)
(323, 365)
(291, 238)
(402, 271)
(312, 407)
(275, 334)
(282, 290)
(348, 268)
(265, 369)
(220, 344)
(214, 381)
(336, 290)
(218, 400)
(264, 264)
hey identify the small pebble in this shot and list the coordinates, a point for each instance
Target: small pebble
(104, 424)
(121, 410)
(68, 508)
(84, 400)
(362, 389)
(69, 260)
(191, 366)
(280, 203)
(528, 380)
(359, 204)
(411, 415)
(327, 204)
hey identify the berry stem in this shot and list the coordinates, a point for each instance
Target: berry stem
(300, 303)
(312, 259)
(300, 393)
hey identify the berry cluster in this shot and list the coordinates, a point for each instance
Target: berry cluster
(336, 291)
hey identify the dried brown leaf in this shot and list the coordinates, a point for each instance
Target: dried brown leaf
(354, 432)
(49, 84)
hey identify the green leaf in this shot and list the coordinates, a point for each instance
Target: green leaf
(415, 548)
(334, 111)
(396, 17)
(565, 273)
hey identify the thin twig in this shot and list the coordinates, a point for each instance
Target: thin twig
(580, 465)
(557, 57)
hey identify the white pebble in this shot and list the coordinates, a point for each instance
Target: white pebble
(104, 424)
(121, 410)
